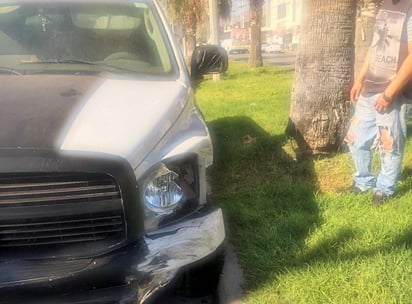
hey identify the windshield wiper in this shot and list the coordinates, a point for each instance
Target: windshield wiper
(69, 61)
(10, 71)
(99, 64)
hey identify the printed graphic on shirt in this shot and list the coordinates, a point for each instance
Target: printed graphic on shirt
(385, 49)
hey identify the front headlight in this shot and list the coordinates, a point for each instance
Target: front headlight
(163, 192)
(170, 191)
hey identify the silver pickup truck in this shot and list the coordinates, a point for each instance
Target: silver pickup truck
(103, 156)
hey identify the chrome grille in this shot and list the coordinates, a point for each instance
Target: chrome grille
(47, 189)
(58, 209)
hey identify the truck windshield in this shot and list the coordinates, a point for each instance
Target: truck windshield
(53, 36)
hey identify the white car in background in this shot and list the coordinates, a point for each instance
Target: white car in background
(272, 48)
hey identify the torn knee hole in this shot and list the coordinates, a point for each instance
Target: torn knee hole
(386, 139)
(350, 136)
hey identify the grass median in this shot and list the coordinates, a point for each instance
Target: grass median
(298, 238)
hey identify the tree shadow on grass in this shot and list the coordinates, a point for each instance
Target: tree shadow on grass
(269, 201)
(267, 196)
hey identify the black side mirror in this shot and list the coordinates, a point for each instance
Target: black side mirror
(208, 59)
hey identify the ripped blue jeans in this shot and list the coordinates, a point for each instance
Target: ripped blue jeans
(388, 131)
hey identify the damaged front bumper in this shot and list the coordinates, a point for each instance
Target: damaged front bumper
(129, 275)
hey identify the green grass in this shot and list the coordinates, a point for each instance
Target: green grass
(299, 239)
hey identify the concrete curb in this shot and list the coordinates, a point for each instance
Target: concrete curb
(230, 287)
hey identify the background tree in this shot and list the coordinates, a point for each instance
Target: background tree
(224, 8)
(188, 15)
(319, 109)
(255, 52)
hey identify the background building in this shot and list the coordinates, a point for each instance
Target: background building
(281, 22)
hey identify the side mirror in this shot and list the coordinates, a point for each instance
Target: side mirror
(208, 59)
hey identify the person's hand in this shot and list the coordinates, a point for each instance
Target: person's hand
(355, 91)
(382, 103)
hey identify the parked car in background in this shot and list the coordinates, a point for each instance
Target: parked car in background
(103, 156)
(240, 49)
(272, 48)
(264, 46)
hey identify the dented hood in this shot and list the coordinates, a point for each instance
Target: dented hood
(122, 117)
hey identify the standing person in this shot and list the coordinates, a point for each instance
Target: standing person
(381, 91)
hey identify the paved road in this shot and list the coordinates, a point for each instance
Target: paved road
(283, 59)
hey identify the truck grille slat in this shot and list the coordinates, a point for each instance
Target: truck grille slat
(45, 184)
(51, 227)
(60, 209)
(46, 199)
(60, 242)
(55, 191)
(62, 235)
(62, 224)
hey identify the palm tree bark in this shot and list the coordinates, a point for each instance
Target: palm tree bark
(255, 51)
(319, 109)
(190, 22)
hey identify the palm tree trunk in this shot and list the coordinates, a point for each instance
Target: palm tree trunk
(323, 75)
(255, 52)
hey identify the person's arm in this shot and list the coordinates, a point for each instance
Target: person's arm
(403, 76)
(358, 82)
